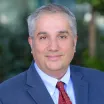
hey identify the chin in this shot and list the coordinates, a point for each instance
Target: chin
(54, 67)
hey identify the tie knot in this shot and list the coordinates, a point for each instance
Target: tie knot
(60, 86)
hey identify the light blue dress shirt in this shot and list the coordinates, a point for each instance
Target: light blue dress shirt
(51, 82)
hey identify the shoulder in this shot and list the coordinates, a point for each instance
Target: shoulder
(13, 83)
(88, 73)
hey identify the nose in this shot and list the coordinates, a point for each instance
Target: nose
(53, 45)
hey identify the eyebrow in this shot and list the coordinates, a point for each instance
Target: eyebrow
(63, 31)
(42, 33)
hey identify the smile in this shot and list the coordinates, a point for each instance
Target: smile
(54, 58)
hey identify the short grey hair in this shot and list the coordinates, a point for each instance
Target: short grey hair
(51, 8)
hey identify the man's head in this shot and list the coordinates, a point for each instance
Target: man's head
(52, 37)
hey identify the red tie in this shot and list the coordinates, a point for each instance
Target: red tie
(63, 97)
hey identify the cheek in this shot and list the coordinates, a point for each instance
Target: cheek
(39, 48)
(67, 46)
(38, 53)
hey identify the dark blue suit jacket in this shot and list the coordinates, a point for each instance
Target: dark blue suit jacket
(28, 88)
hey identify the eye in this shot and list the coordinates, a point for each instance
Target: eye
(62, 36)
(42, 37)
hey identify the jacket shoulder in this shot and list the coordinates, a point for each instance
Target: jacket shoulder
(13, 83)
(88, 73)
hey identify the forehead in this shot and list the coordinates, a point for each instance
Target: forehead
(55, 20)
(52, 23)
(48, 16)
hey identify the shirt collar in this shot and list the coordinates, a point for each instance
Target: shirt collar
(51, 82)
(66, 77)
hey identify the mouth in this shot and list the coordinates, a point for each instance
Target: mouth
(54, 57)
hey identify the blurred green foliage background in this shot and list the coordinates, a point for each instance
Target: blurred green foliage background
(15, 53)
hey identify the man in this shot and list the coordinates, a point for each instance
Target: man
(53, 38)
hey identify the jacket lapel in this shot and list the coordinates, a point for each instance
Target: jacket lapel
(80, 86)
(36, 87)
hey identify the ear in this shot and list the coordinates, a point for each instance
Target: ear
(30, 41)
(75, 42)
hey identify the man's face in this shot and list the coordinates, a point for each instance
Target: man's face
(53, 44)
